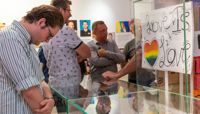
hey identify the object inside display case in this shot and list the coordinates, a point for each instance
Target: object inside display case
(140, 102)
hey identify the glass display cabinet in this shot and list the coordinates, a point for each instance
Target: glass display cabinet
(123, 97)
(167, 34)
(142, 102)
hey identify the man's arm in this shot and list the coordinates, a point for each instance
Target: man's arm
(83, 51)
(131, 66)
(128, 68)
(98, 60)
(37, 102)
(71, 40)
(116, 55)
(46, 89)
(20, 72)
(33, 97)
(48, 103)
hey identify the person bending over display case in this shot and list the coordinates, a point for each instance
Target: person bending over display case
(23, 90)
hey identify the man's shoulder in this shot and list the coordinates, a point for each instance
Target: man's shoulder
(91, 42)
(9, 35)
(8, 31)
(131, 43)
(66, 29)
(65, 32)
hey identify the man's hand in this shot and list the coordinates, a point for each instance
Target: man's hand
(46, 107)
(101, 52)
(109, 82)
(109, 75)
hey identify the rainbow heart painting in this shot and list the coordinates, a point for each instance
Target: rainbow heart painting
(151, 51)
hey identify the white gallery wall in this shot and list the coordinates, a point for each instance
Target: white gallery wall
(108, 10)
(142, 7)
(15, 9)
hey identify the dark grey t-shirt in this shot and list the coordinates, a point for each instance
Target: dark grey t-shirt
(129, 52)
(140, 76)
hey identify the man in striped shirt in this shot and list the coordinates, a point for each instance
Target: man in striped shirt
(22, 89)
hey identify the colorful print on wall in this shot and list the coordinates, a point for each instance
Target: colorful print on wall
(2, 25)
(163, 39)
(122, 26)
(85, 29)
(151, 52)
(111, 36)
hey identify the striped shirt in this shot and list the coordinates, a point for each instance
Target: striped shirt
(19, 69)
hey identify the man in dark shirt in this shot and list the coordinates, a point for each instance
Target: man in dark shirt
(133, 54)
(129, 52)
(44, 62)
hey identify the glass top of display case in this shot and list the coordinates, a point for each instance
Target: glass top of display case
(121, 97)
(142, 102)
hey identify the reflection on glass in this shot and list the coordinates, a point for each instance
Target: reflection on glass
(103, 105)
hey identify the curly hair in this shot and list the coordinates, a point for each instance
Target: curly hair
(51, 14)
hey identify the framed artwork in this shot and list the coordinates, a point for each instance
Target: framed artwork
(122, 26)
(85, 29)
(72, 24)
(111, 36)
(2, 25)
